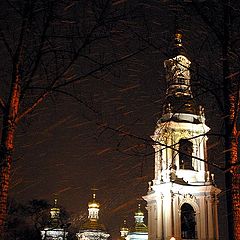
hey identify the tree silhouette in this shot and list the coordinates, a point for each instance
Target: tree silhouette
(49, 47)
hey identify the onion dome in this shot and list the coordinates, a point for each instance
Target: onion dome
(124, 230)
(139, 221)
(55, 220)
(93, 204)
(178, 48)
(55, 211)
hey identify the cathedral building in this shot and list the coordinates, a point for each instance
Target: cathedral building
(92, 229)
(182, 197)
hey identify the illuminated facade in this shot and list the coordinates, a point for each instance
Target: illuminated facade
(182, 198)
(140, 230)
(54, 230)
(92, 229)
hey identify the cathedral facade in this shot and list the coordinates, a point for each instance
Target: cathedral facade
(182, 197)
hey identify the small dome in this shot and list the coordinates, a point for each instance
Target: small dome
(139, 211)
(93, 203)
(124, 226)
(55, 210)
(139, 216)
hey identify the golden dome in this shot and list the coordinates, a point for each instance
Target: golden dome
(93, 203)
(139, 211)
(124, 226)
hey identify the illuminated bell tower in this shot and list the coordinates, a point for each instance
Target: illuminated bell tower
(182, 198)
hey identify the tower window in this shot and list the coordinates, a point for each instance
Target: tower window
(185, 154)
(181, 80)
(188, 223)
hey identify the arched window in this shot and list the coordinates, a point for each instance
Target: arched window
(185, 154)
(188, 223)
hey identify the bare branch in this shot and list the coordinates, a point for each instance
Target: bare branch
(32, 107)
(102, 67)
(2, 105)
(39, 54)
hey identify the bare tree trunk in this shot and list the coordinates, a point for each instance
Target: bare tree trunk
(7, 143)
(5, 160)
(232, 178)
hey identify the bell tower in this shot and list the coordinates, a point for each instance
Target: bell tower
(182, 197)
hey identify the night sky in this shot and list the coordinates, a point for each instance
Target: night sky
(63, 149)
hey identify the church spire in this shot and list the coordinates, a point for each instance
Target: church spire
(179, 98)
(177, 69)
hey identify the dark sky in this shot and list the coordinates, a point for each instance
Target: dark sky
(62, 150)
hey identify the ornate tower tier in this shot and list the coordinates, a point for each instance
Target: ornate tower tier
(182, 198)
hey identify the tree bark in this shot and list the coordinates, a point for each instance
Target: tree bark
(7, 143)
(233, 174)
(231, 105)
(5, 165)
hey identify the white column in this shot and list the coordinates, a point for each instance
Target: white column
(154, 225)
(204, 152)
(159, 218)
(210, 218)
(202, 231)
(169, 153)
(167, 212)
(164, 155)
(175, 215)
(177, 226)
(150, 222)
(216, 217)
(197, 219)
(156, 161)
